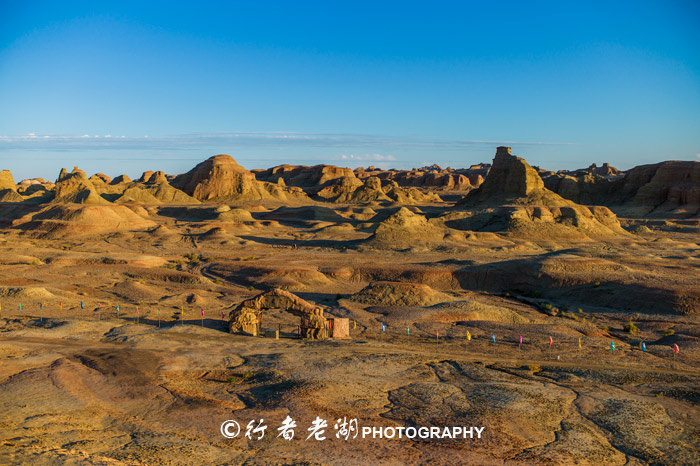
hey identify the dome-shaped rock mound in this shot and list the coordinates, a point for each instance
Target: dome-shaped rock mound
(385, 293)
(221, 178)
(79, 221)
(405, 229)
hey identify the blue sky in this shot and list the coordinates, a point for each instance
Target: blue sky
(123, 87)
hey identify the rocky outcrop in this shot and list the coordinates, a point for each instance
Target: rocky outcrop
(221, 179)
(661, 189)
(303, 176)
(7, 181)
(513, 198)
(8, 188)
(121, 179)
(75, 187)
(672, 186)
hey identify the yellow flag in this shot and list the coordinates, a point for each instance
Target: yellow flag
(469, 336)
(579, 342)
(354, 325)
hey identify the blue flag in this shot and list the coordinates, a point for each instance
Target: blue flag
(383, 327)
(41, 306)
(612, 345)
(82, 306)
(644, 346)
(493, 338)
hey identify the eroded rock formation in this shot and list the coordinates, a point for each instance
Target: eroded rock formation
(246, 316)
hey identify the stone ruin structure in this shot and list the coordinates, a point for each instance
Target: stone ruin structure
(245, 318)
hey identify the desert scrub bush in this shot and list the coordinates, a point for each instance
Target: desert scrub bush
(251, 288)
(596, 284)
(630, 328)
(239, 378)
(534, 368)
(547, 306)
(669, 332)
(570, 315)
(217, 281)
(193, 258)
(606, 328)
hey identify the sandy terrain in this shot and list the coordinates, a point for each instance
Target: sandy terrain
(92, 385)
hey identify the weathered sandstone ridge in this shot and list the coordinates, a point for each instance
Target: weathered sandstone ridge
(221, 178)
(513, 198)
(328, 183)
(661, 189)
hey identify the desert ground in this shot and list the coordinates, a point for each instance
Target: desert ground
(117, 296)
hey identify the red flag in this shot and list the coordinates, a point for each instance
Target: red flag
(437, 334)
(550, 341)
(520, 340)
(676, 349)
(202, 312)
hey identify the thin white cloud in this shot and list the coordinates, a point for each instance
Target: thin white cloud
(368, 157)
(31, 141)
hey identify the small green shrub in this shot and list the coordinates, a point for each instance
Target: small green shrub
(669, 332)
(630, 328)
(534, 368)
(596, 284)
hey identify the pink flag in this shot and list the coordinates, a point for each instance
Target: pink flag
(520, 340)
(202, 312)
(137, 310)
(437, 334)
(550, 341)
(222, 315)
(676, 349)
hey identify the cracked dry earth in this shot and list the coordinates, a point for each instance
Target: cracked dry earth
(114, 392)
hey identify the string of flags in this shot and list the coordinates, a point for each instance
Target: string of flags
(468, 335)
